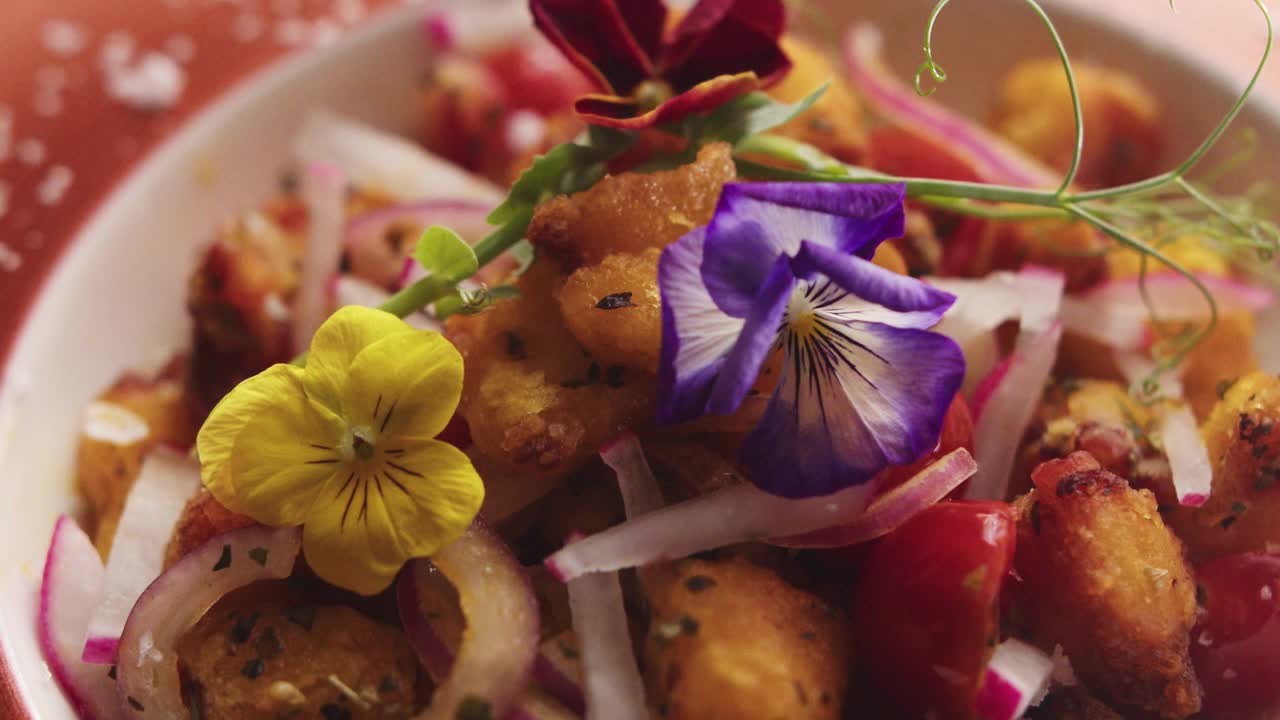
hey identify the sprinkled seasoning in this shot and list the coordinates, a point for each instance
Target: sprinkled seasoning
(698, 583)
(246, 28)
(614, 301)
(268, 644)
(303, 616)
(29, 151)
(474, 708)
(224, 560)
(253, 669)
(613, 376)
(63, 38)
(135, 704)
(112, 672)
(388, 686)
(330, 711)
(259, 555)
(55, 185)
(515, 346)
(180, 47)
(242, 628)
(154, 82)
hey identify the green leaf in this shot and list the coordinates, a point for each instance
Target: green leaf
(524, 253)
(753, 113)
(564, 169)
(442, 252)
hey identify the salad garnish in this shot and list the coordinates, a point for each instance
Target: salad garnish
(345, 447)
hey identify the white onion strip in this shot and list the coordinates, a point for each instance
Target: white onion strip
(1008, 411)
(165, 482)
(1188, 457)
(147, 682)
(69, 591)
(324, 192)
(1017, 677)
(994, 158)
(893, 508)
(500, 642)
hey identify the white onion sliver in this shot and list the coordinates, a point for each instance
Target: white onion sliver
(1137, 366)
(893, 508)
(165, 482)
(70, 590)
(995, 159)
(1123, 327)
(324, 192)
(378, 161)
(741, 513)
(1007, 413)
(640, 492)
(982, 304)
(147, 682)
(1042, 291)
(1175, 298)
(500, 643)
(1017, 678)
(351, 290)
(1188, 457)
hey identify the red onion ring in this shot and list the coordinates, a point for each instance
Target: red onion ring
(165, 482)
(375, 260)
(500, 642)
(69, 591)
(147, 682)
(1017, 677)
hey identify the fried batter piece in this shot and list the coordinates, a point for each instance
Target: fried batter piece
(1242, 435)
(266, 652)
(202, 519)
(107, 463)
(536, 401)
(732, 641)
(1124, 134)
(1103, 577)
(632, 212)
(835, 122)
(615, 311)
(1072, 703)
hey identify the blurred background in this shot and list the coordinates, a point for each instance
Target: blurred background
(88, 87)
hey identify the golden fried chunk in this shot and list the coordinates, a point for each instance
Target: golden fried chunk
(733, 641)
(265, 652)
(203, 519)
(614, 309)
(1124, 135)
(1105, 579)
(1072, 703)
(632, 212)
(834, 124)
(1242, 435)
(127, 420)
(536, 401)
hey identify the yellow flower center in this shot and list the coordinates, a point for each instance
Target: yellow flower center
(800, 317)
(362, 447)
(651, 93)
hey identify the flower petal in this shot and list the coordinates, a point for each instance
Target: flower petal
(283, 456)
(720, 37)
(337, 343)
(758, 336)
(349, 539)
(773, 219)
(852, 399)
(610, 45)
(404, 385)
(696, 335)
(432, 493)
(619, 112)
(876, 294)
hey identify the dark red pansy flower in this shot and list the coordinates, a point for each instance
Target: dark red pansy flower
(647, 76)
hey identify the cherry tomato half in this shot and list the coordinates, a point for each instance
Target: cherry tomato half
(926, 609)
(1236, 644)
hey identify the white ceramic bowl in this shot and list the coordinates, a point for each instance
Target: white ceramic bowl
(116, 300)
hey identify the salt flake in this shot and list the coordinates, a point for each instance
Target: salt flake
(246, 27)
(155, 82)
(30, 152)
(6, 132)
(1265, 592)
(4, 199)
(63, 38)
(55, 184)
(10, 260)
(116, 50)
(180, 47)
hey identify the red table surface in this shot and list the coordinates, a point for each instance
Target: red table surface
(57, 122)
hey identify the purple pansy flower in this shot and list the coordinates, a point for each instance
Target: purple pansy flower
(786, 267)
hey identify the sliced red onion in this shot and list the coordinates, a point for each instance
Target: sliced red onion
(1188, 457)
(147, 682)
(889, 510)
(324, 192)
(380, 262)
(982, 304)
(71, 588)
(351, 290)
(994, 158)
(165, 482)
(561, 674)
(1017, 678)
(380, 162)
(500, 642)
(1007, 412)
(741, 513)
(640, 492)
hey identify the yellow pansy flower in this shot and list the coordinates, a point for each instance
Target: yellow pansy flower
(345, 447)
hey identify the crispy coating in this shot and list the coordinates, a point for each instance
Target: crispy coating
(632, 212)
(1242, 435)
(1123, 127)
(1072, 703)
(1104, 578)
(266, 652)
(106, 469)
(203, 519)
(835, 122)
(733, 641)
(615, 311)
(537, 403)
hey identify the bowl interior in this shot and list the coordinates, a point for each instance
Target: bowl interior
(116, 299)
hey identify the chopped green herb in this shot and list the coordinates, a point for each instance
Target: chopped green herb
(253, 669)
(242, 628)
(1228, 521)
(302, 616)
(388, 685)
(615, 301)
(515, 346)
(135, 704)
(613, 376)
(112, 672)
(1237, 508)
(331, 711)
(224, 560)
(698, 583)
(259, 555)
(570, 652)
(268, 644)
(474, 708)
(688, 625)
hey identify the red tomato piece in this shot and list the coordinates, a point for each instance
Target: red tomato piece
(957, 432)
(926, 609)
(1236, 644)
(537, 77)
